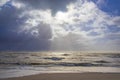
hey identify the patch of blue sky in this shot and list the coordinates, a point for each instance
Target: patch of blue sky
(111, 7)
(93, 33)
(113, 29)
(88, 28)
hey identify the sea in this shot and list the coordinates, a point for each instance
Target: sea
(16, 64)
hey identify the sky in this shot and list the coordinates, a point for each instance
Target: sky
(59, 25)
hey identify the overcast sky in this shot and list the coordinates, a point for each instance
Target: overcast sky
(43, 25)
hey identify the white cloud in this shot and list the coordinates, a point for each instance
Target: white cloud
(69, 27)
(18, 5)
(2, 2)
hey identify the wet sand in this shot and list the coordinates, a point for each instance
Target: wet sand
(70, 76)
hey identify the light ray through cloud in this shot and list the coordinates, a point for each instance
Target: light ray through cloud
(81, 25)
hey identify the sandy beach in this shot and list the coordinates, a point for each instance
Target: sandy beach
(70, 76)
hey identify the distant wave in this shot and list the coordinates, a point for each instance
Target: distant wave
(65, 59)
(99, 64)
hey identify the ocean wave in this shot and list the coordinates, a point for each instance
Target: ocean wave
(61, 59)
(99, 64)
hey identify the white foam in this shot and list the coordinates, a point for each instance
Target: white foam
(24, 72)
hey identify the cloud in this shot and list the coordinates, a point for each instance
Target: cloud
(2, 2)
(13, 37)
(101, 2)
(54, 5)
(58, 25)
(116, 21)
(71, 42)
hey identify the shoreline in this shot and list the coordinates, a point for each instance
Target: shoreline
(69, 76)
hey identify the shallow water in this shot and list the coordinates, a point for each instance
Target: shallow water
(27, 63)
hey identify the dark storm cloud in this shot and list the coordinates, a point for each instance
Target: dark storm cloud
(9, 22)
(37, 37)
(11, 39)
(54, 5)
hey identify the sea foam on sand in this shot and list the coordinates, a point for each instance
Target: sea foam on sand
(25, 72)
